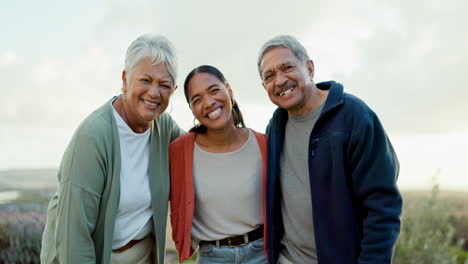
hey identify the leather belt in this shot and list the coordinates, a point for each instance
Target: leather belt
(239, 240)
(129, 245)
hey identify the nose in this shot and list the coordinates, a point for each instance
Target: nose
(154, 91)
(208, 101)
(280, 79)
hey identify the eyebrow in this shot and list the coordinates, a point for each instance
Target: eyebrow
(163, 80)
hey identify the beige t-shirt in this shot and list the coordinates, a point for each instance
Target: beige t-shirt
(228, 191)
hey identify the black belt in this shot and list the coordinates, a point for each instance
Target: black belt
(239, 240)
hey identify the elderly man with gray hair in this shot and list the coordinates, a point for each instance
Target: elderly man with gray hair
(112, 202)
(331, 193)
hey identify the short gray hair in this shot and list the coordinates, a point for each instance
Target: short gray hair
(156, 47)
(285, 41)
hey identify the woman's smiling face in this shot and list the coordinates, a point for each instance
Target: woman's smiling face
(146, 93)
(210, 100)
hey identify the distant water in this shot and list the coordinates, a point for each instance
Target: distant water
(8, 196)
(41, 183)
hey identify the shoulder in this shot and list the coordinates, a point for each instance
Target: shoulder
(167, 127)
(357, 112)
(183, 140)
(95, 127)
(258, 135)
(355, 105)
(261, 140)
(279, 118)
(165, 121)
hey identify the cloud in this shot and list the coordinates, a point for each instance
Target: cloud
(412, 68)
(7, 58)
(408, 61)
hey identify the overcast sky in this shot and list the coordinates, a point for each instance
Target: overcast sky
(60, 60)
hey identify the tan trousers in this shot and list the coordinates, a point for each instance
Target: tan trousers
(283, 260)
(141, 253)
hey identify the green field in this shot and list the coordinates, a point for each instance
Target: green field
(32, 189)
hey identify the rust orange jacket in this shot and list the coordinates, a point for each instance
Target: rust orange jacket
(182, 195)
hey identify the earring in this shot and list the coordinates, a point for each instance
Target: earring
(195, 123)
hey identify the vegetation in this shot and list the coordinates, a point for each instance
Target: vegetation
(20, 234)
(427, 233)
(434, 229)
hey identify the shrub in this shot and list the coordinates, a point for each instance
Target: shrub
(461, 225)
(427, 232)
(20, 235)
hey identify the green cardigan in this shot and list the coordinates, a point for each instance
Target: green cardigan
(81, 214)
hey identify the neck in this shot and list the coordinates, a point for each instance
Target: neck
(222, 140)
(316, 98)
(120, 107)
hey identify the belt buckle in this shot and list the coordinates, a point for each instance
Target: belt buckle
(240, 245)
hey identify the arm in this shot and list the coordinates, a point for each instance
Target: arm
(374, 168)
(81, 179)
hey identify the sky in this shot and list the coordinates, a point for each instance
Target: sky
(60, 60)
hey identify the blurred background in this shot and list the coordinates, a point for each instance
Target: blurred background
(60, 60)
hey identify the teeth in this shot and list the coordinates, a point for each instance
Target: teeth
(286, 92)
(214, 113)
(149, 103)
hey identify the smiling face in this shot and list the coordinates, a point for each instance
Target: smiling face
(210, 101)
(146, 93)
(287, 80)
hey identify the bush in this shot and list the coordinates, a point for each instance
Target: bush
(20, 235)
(427, 232)
(461, 225)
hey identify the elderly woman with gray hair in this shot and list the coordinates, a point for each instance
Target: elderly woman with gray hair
(111, 204)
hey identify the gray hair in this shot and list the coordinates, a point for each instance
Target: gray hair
(156, 47)
(285, 41)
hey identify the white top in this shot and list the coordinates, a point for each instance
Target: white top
(228, 191)
(134, 215)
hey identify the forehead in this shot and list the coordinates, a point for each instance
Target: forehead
(276, 57)
(201, 81)
(147, 66)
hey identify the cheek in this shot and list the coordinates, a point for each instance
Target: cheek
(195, 111)
(270, 91)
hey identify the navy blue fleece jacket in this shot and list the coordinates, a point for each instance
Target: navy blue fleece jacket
(353, 170)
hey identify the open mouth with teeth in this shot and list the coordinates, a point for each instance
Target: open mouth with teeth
(214, 114)
(286, 92)
(150, 104)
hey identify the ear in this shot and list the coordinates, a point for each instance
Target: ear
(311, 69)
(173, 90)
(231, 94)
(124, 82)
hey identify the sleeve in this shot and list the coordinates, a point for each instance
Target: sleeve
(374, 168)
(79, 195)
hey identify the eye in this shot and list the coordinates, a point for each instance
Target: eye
(145, 81)
(196, 101)
(268, 77)
(288, 68)
(214, 90)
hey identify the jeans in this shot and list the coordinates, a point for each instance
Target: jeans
(251, 253)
